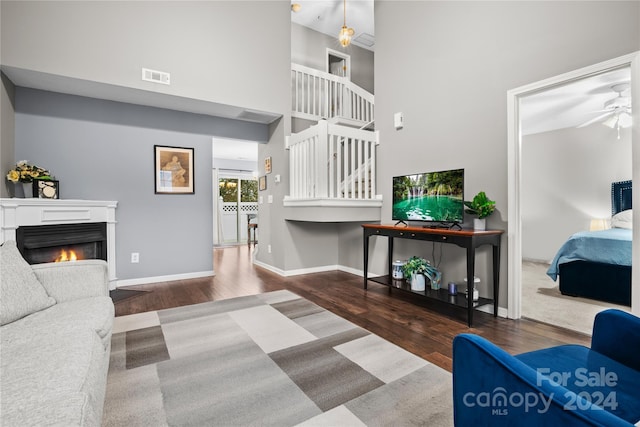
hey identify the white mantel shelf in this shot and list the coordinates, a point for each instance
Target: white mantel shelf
(17, 212)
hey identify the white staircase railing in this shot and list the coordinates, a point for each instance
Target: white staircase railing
(330, 161)
(318, 95)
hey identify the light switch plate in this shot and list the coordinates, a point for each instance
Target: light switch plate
(398, 121)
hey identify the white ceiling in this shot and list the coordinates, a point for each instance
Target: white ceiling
(327, 17)
(570, 105)
(235, 150)
(563, 107)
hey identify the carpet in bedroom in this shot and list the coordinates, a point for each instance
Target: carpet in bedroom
(542, 301)
(267, 359)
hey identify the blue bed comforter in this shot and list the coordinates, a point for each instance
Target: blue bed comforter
(611, 246)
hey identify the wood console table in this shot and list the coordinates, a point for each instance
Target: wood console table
(468, 239)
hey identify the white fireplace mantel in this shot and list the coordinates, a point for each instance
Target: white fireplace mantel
(16, 212)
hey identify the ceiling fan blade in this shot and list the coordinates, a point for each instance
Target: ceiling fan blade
(595, 119)
(612, 121)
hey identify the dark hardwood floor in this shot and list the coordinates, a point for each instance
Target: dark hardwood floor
(422, 327)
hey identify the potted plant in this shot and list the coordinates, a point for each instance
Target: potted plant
(415, 270)
(482, 206)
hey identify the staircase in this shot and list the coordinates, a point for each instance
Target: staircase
(332, 163)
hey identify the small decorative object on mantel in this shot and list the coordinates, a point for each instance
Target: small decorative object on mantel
(482, 206)
(46, 188)
(23, 177)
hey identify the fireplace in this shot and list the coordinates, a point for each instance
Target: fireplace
(16, 214)
(62, 242)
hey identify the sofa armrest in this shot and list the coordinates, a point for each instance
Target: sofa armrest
(67, 281)
(616, 334)
(493, 388)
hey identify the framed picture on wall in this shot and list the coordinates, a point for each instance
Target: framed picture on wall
(267, 165)
(262, 183)
(174, 173)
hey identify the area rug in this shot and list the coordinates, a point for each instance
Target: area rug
(272, 359)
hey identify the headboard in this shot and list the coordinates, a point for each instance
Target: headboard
(620, 196)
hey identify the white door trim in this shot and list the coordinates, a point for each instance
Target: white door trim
(339, 54)
(514, 154)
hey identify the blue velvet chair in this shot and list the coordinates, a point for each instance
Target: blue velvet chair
(567, 385)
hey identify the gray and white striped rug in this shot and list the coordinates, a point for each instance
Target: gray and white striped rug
(268, 359)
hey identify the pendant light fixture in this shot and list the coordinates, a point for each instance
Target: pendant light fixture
(345, 33)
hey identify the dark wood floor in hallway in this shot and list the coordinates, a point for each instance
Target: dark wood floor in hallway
(421, 327)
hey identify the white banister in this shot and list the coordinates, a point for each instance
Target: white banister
(319, 95)
(330, 161)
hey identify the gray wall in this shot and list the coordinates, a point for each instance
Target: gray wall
(309, 48)
(103, 150)
(566, 182)
(451, 76)
(209, 60)
(7, 131)
(213, 49)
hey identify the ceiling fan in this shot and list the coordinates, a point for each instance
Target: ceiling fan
(617, 111)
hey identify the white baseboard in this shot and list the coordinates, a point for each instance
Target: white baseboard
(168, 278)
(320, 269)
(502, 312)
(357, 272)
(288, 273)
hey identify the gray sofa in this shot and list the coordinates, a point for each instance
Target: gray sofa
(56, 322)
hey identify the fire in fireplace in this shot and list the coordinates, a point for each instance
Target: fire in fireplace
(68, 256)
(62, 242)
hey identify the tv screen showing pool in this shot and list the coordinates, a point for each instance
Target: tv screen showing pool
(430, 196)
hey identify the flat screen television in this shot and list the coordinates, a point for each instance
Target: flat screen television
(434, 197)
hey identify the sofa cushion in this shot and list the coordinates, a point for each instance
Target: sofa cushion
(21, 292)
(599, 379)
(47, 370)
(95, 314)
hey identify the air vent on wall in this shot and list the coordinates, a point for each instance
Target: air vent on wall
(156, 76)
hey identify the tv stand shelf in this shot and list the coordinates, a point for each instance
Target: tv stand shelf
(468, 239)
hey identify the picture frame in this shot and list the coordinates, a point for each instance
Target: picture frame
(45, 188)
(262, 183)
(174, 170)
(267, 165)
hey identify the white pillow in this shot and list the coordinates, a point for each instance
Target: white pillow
(21, 292)
(623, 219)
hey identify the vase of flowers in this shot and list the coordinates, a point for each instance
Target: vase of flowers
(22, 176)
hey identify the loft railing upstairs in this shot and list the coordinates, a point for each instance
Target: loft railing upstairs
(330, 161)
(319, 95)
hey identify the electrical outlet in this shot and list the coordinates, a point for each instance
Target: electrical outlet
(270, 198)
(135, 257)
(269, 248)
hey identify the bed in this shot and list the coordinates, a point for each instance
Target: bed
(597, 264)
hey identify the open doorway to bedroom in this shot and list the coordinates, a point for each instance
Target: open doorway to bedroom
(575, 141)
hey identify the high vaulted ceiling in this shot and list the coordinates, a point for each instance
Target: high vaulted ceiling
(327, 17)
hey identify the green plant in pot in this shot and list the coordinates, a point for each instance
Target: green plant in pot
(415, 270)
(481, 206)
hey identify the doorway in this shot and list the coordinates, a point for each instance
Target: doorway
(515, 149)
(238, 204)
(338, 64)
